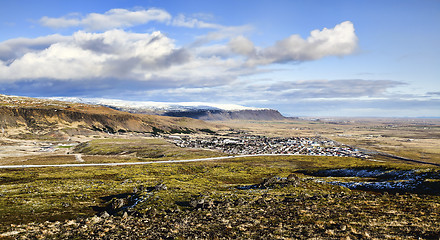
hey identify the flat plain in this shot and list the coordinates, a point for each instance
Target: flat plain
(417, 139)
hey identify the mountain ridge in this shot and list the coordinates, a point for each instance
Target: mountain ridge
(197, 110)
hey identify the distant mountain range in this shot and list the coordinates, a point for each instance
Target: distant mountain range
(197, 110)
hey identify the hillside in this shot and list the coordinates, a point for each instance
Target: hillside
(21, 115)
(197, 110)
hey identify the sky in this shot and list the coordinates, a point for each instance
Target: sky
(319, 58)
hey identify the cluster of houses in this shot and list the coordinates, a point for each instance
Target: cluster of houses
(249, 145)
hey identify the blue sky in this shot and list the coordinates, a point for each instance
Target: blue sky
(304, 58)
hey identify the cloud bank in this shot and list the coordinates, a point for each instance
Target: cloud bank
(347, 88)
(338, 41)
(112, 54)
(154, 57)
(114, 18)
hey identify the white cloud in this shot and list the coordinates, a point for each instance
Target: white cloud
(114, 18)
(122, 18)
(183, 21)
(338, 41)
(140, 61)
(243, 46)
(222, 34)
(61, 22)
(15, 48)
(111, 54)
(117, 54)
(326, 89)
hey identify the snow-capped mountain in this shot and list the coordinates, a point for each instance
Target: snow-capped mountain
(166, 106)
(198, 110)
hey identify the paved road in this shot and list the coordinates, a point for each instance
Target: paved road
(407, 159)
(152, 162)
(113, 164)
(138, 163)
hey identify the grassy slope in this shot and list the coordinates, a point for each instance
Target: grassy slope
(153, 148)
(66, 193)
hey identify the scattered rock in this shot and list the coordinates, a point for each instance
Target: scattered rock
(201, 202)
(118, 203)
(343, 227)
(127, 181)
(138, 189)
(66, 205)
(160, 187)
(194, 203)
(292, 178)
(104, 214)
(269, 182)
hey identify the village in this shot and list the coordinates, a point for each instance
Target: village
(252, 145)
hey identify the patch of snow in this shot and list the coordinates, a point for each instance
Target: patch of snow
(348, 172)
(378, 173)
(169, 106)
(385, 185)
(385, 180)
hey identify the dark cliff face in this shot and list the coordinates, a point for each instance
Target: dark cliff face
(211, 114)
(222, 115)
